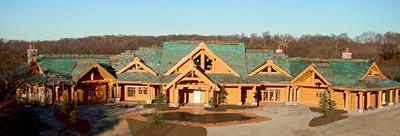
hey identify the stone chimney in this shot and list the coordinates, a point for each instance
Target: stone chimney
(279, 50)
(32, 52)
(347, 54)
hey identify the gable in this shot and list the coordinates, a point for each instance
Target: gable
(34, 67)
(269, 68)
(205, 59)
(94, 73)
(136, 66)
(311, 77)
(192, 75)
(373, 71)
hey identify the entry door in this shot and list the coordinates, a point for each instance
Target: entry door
(197, 95)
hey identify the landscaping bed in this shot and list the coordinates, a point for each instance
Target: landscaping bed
(335, 115)
(80, 125)
(230, 107)
(161, 107)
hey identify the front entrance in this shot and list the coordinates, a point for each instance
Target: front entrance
(197, 96)
(187, 95)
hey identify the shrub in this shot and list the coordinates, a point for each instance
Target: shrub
(64, 104)
(73, 115)
(155, 120)
(222, 98)
(161, 98)
(327, 104)
(212, 101)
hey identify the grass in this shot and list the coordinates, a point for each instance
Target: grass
(231, 107)
(162, 107)
(336, 115)
(140, 128)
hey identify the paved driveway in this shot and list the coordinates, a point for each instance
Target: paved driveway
(293, 121)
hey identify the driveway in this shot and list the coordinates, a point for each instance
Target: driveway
(293, 121)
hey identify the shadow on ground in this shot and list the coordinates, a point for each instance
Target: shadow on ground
(336, 115)
(102, 118)
(140, 128)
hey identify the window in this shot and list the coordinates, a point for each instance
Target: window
(131, 91)
(271, 95)
(265, 95)
(197, 60)
(142, 90)
(278, 94)
(92, 93)
(139, 67)
(208, 63)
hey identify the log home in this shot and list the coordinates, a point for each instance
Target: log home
(190, 72)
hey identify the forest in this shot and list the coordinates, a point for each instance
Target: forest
(384, 48)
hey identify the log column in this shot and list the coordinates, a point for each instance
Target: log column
(346, 100)
(396, 96)
(72, 92)
(368, 99)
(379, 105)
(298, 96)
(291, 95)
(360, 102)
(57, 99)
(390, 97)
(384, 97)
(239, 102)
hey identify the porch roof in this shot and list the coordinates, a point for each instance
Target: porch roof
(374, 83)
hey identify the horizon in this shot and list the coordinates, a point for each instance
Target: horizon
(49, 20)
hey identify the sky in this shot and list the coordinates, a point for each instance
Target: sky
(55, 19)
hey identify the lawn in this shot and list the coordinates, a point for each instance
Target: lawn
(140, 128)
(336, 115)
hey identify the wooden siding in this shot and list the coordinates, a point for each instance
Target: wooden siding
(354, 100)
(309, 97)
(82, 93)
(232, 94)
(137, 96)
(338, 97)
(373, 99)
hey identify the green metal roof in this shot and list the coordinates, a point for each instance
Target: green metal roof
(341, 73)
(271, 78)
(138, 77)
(150, 56)
(345, 73)
(233, 55)
(373, 82)
(228, 78)
(173, 53)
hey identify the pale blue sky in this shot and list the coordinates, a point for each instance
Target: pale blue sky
(54, 19)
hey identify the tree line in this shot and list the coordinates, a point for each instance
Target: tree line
(368, 45)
